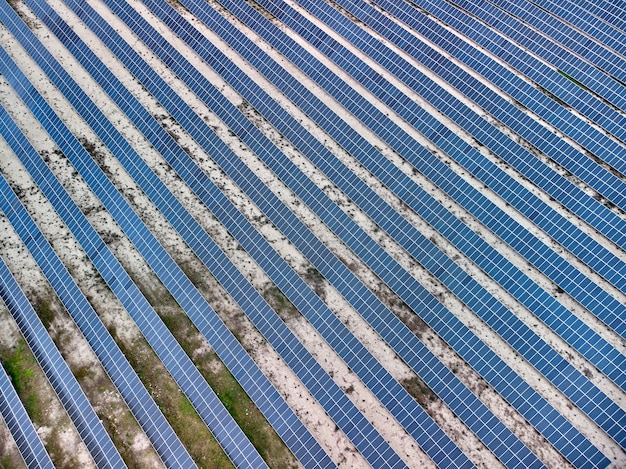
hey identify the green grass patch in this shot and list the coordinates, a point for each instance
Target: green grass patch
(248, 416)
(239, 405)
(177, 409)
(280, 303)
(419, 390)
(573, 80)
(21, 366)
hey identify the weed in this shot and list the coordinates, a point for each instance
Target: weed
(280, 303)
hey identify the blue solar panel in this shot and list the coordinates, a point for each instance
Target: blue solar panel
(612, 13)
(565, 232)
(547, 363)
(208, 405)
(557, 430)
(340, 408)
(18, 422)
(592, 79)
(59, 375)
(526, 126)
(488, 258)
(407, 411)
(143, 407)
(608, 35)
(497, 220)
(536, 70)
(196, 128)
(563, 34)
(181, 118)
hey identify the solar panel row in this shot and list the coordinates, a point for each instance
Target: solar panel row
(605, 33)
(182, 369)
(524, 125)
(592, 139)
(336, 403)
(543, 360)
(609, 12)
(580, 244)
(557, 430)
(17, 420)
(572, 329)
(356, 356)
(592, 79)
(200, 89)
(139, 401)
(528, 65)
(58, 373)
(602, 355)
(568, 38)
(564, 274)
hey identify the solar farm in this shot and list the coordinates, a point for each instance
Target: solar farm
(312, 234)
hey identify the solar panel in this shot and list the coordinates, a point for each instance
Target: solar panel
(583, 246)
(182, 369)
(221, 339)
(569, 38)
(339, 407)
(59, 375)
(553, 83)
(506, 112)
(606, 34)
(282, 339)
(18, 422)
(182, 118)
(592, 79)
(148, 415)
(610, 12)
(542, 91)
(298, 54)
(488, 258)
